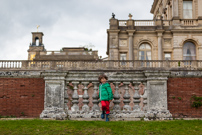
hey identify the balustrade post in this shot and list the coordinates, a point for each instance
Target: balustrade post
(145, 97)
(95, 97)
(75, 98)
(136, 98)
(116, 98)
(85, 107)
(66, 99)
(52, 64)
(126, 97)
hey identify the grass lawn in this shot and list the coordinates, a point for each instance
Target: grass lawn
(51, 127)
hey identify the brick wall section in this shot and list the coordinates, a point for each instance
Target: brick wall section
(184, 88)
(21, 97)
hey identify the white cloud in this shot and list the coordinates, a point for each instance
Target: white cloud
(65, 23)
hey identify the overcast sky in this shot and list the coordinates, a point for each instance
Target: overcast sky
(65, 23)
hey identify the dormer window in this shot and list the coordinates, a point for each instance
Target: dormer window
(187, 9)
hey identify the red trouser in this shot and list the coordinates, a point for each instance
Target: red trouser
(105, 106)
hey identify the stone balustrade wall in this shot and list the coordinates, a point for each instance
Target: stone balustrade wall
(73, 94)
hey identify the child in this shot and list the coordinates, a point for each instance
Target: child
(105, 95)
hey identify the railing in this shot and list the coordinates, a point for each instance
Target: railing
(11, 64)
(184, 22)
(129, 94)
(144, 23)
(189, 22)
(99, 65)
(122, 23)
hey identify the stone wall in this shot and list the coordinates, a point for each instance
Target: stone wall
(21, 97)
(22, 94)
(180, 90)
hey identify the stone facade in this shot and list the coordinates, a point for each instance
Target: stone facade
(38, 52)
(166, 34)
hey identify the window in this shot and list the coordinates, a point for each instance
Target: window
(122, 58)
(187, 9)
(145, 52)
(167, 56)
(189, 51)
(37, 41)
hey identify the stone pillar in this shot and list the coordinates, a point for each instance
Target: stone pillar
(116, 98)
(199, 12)
(126, 97)
(85, 107)
(95, 97)
(131, 51)
(160, 46)
(136, 98)
(175, 9)
(66, 99)
(54, 106)
(145, 97)
(75, 97)
(157, 92)
(113, 44)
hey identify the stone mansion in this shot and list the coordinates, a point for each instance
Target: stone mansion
(175, 33)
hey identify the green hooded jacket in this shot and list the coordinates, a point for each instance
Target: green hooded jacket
(105, 92)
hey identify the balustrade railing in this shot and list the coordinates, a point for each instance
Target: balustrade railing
(144, 23)
(130, 103)
(99, 65)
(189, 22)
(122, 23)
(9, 64)
(184, 22)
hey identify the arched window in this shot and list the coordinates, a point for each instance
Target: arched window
(37, 41)
(145, 52)
(189, 51)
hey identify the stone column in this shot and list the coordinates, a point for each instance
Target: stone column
(113, 44)
(175, 10)
(160, 51)
(199, 11)
(54, 106)
(131, 51)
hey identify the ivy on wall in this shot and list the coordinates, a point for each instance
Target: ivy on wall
(196, 101)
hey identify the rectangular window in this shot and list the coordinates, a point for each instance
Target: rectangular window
(187, 9)
(167, 56)
(122, 58)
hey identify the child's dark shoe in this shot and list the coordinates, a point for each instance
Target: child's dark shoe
(103, 115)
(107, 117)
